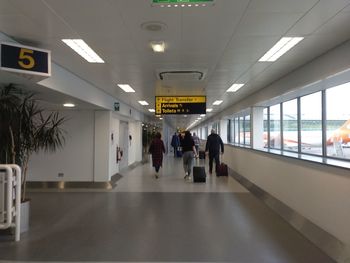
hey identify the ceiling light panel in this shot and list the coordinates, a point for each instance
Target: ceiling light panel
(69, 105)
(217, 102)
(234, 87)
(143, 102)
(151, 110)
(209, 110)
(127, 88)
(79, 46)
(280, 48)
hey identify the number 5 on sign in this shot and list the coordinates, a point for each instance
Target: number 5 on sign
(25, 58)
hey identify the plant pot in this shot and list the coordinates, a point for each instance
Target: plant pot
(25, 212)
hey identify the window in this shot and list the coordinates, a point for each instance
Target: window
(311, 123)
(229, 128)
(236, 122)
(290, 125)
(338, 121)
(247, 130)
(275, 127)
(241, 130)
(265, 120)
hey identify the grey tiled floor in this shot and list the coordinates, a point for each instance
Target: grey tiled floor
(164, 220)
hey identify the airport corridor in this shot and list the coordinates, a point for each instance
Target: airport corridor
(169, 219)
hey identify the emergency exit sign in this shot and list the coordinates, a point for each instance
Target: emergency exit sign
(182, 1)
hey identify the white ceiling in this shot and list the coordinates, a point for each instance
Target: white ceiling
(224, 40)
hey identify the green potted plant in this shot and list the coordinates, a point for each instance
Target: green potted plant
(25, 128)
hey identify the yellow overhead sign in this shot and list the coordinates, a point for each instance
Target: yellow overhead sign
(180, 105)
(181, 99)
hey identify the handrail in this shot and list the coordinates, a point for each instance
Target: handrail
(8, 198)
(12, 211)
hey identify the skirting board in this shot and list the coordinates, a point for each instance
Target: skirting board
(326, 242)
(61, 185)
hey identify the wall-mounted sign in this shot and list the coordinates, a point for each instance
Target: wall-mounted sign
(180, 105)
(116, 106)
(25, 59)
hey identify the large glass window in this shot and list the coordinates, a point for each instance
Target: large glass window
(290, 125)
(236, 122)
(247, 130)
(241, 130)
(275, 127)
(265, 127)
(311, 123)
(229, 128)
(338, 121)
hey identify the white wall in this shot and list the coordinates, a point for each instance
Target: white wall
(135, 145)
(75, 160)
(102, 146)
(114, 129)
(319, 193)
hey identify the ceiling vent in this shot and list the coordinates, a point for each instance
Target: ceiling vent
(183, 75)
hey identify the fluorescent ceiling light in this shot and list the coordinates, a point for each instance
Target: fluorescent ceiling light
(234, 87)
(69, 105)
(143, 102)
(79, 46)
(281, 47)
(151, 110)
(209, 110)
(126, 87)
(217, 102)
(158, 46)
(202, 115)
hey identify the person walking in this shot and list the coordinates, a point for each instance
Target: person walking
(189, 151)
(175, 143)
(196, 143)
(212, 146)
(157, 149)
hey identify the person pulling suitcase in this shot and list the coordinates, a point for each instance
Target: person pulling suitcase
(213, 146)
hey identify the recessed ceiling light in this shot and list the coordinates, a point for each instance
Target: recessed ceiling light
(281, 47)
(69, 105)
(126, 88)
(217, 102)
(151, 110)
(234, 87)
(143, 102)
(158, 46)
(209, 110)
(79, 46)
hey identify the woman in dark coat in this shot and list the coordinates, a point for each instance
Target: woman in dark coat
(157, 149)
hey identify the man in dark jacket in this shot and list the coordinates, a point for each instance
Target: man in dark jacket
(213, 145)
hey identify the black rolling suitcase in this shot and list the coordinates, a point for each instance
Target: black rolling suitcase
(201, 154)
(199, 174)
(222, 170)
